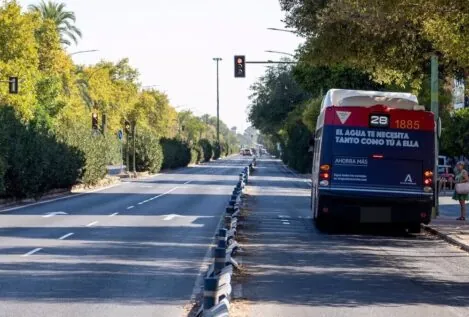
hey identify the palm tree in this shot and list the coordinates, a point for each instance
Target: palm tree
(64, 20)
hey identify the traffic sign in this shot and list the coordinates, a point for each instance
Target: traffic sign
(120, 134)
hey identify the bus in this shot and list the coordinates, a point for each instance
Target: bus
(373, 161)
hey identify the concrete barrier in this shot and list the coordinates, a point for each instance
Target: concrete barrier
(217, 282)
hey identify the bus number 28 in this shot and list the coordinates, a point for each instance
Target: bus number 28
(379, 121)
(408, 124)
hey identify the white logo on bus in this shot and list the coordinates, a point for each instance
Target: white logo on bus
(343, 116)
(408, 179)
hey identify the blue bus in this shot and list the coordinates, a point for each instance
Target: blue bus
(374, 159)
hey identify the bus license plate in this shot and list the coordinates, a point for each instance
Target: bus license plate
(375, 214)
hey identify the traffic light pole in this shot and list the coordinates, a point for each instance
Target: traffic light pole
(218, 59)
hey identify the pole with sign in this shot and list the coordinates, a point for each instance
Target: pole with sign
(120, 135)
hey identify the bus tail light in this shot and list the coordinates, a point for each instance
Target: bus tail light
(325, 167)
(428, 178)
(324, 175)
(428, 181)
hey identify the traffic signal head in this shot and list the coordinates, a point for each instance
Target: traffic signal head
(127, 127)
(13, 85)
(94, 121)
(240, 66)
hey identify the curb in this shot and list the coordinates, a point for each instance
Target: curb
(446, 237)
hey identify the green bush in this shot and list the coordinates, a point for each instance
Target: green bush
(95, 148)
(207, 149)
(216, 151)
(33, 160)
(148, 152)
(196, 154)
(176, 153)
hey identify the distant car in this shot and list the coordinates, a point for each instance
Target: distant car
(247, 152)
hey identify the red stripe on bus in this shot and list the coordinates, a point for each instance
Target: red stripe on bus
(399, 118)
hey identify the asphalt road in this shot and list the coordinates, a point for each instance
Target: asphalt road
(294, 270)
(135, 249)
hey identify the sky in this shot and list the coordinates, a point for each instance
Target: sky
(173, 42)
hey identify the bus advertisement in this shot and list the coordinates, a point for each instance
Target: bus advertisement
(374, 157)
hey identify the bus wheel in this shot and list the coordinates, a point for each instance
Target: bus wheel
(322, 224)
(414, 228)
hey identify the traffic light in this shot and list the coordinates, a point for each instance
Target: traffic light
(127, 127)
(240, 66)
(94, 121)
(13, 85)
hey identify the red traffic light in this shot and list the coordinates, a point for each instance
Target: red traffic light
(240, 66)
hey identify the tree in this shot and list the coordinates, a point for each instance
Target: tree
(391, 39)
(64, 20)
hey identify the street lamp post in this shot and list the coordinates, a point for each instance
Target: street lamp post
(218, 59)
(82, 52)
(278, 52)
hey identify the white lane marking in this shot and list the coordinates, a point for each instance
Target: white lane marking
(169, 217)
(32, 252)
(114, 214)
(92, 223)
(130, 207)
(60, 198)
(52, 214)
(66, 236)
(164, 194)
(187, 182)
(281, 216)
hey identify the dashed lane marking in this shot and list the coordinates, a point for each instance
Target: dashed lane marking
(92, 223)
(32, 252)
(66, 236)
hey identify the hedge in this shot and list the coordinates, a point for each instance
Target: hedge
(207, 149)
(148, 152)
(96, 148)
(176, 153)
(34, 161)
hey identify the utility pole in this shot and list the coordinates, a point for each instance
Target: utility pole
(436, 112)
(218, 59)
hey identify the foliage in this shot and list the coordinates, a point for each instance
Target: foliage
(33, 161)
(455, 135)
(216, 151)
(176, 153)
(196, 154)
(393, 40)
(93, 145)
(148, 152)
(56, 99)
(64, 20)
(207, 149)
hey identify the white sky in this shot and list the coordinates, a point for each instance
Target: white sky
(172, 43)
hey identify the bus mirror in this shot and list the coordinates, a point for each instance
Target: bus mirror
(439, 128)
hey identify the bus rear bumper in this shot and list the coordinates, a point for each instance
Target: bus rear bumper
(339, 206)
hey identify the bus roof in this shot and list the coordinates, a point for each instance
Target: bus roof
(364, 98)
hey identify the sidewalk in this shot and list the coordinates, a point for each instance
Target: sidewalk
(447, 227)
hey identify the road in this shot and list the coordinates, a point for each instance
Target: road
(294, 270)
(135, 249)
